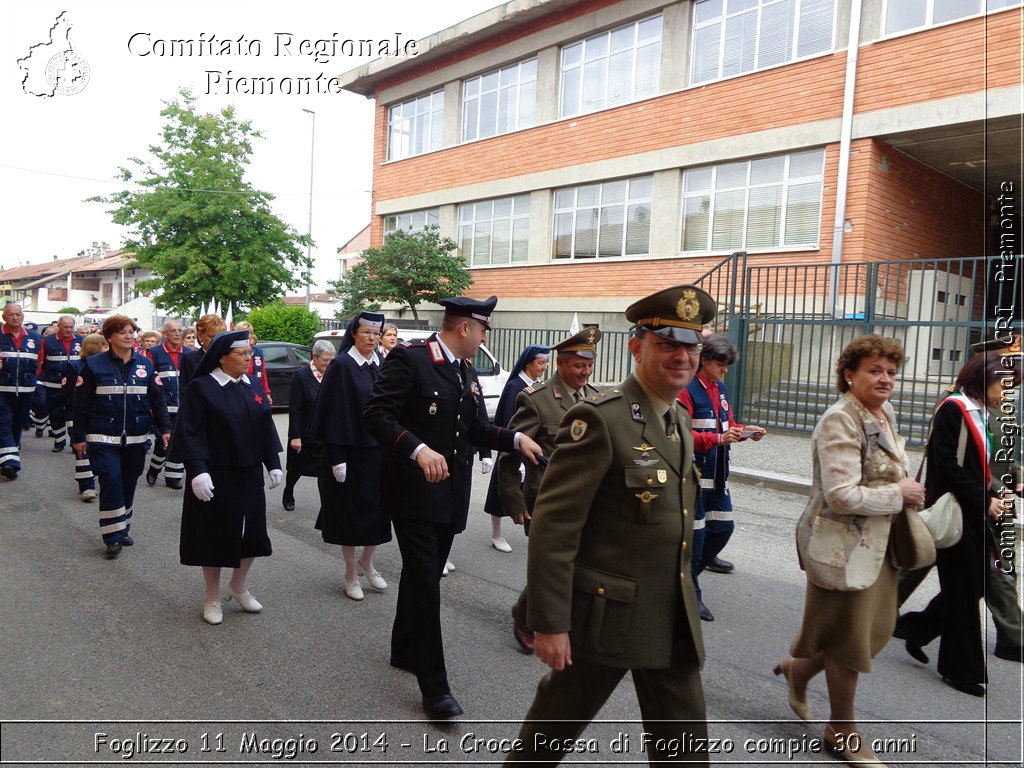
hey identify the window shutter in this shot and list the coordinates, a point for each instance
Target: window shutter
(816, 19)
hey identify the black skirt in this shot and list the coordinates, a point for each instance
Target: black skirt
(231, 526)
(309, 461)
(350, 512)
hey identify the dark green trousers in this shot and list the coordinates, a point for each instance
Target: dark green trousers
(577, 693)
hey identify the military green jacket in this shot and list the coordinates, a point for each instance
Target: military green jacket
(539, 410)
(609, 555)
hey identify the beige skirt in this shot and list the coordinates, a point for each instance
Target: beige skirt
(850, 627)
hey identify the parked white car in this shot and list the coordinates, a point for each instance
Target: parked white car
(488, 369)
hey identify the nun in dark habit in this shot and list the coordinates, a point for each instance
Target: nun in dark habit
(350, 513)
(225, 436)
(529, 369)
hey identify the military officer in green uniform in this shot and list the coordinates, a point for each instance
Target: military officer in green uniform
(539, 411)
(1000, 581)
(608, 574)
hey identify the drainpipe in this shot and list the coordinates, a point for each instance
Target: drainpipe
(852, 53)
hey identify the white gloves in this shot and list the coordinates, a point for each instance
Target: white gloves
(276, 477)
(202, 486)
(486, 465)
(522, 474)
(339, 471)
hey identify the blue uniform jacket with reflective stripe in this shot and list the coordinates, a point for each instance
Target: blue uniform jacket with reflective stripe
(18, 372)
(169, 374)
(713, 465)
(56, 354)
(114, 399)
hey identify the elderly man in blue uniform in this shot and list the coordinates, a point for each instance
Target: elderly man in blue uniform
(424, 411)
(167, 357)
(118, 399)
(59, 348)
(19, 359)
(609, 579)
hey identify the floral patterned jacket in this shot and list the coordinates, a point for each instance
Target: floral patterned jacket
(843, 534)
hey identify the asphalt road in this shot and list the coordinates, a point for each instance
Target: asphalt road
(115, 658)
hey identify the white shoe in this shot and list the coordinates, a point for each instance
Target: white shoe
(88, 495)
(212, 613)
(449, 567)
(353, 590)
(501, 545)
(374, 577)
(245, 599)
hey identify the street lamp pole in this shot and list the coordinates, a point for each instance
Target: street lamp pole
(309, 232)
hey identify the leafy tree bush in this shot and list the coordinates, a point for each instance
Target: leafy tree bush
(70, 311)
(284, 322)
(410, 268)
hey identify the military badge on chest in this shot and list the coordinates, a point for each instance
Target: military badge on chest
(577, 429)
(475, 389)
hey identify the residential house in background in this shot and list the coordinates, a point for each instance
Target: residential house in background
(100, 284)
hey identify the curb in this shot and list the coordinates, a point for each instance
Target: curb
(775, 480)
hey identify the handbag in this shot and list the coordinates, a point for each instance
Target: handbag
(913, 545)
(944, 519)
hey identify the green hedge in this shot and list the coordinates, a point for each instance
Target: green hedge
(284, 322)
(70, 311)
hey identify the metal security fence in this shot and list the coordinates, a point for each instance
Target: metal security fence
(612, 364)
(790, 323)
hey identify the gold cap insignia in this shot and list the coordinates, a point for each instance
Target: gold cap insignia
(687, 308)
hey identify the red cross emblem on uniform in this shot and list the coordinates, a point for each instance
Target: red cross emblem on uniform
(258, 399)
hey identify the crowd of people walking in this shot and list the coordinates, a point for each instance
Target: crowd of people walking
(390, 431)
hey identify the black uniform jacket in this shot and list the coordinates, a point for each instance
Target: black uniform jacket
(302, 394)
(418, 399)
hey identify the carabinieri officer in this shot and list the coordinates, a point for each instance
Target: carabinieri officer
(118, 396)
(424, 411)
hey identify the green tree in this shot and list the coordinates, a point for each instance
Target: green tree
(283, 322)
(410, 268)
(195, 221)
(69, 311)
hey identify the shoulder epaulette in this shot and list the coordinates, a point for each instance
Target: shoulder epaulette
(604, 396)
(534, 388)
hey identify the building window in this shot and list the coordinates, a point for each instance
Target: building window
(414, 221)
(415, 126)
(495, 231)
(500, 101)
(609, 219)
(762, 203)
(56, 294)
(903, 15)
(936, 354)
(731, 37)
(940, 297)
(611, 68)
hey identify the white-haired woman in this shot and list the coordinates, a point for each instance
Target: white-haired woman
(305, 455)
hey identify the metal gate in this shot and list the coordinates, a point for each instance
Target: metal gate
(790, 322)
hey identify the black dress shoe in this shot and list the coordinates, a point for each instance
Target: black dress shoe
(113, 550)
(151, 476)
(288, 504)
(443, 707)
(9, 472)
(915, 651)
(404, 665)
(705, 614)
(39, 433)
(58, 447)
(1009, 653)
(971, 689)
(174, 484)
(718, 565)
(127, 541)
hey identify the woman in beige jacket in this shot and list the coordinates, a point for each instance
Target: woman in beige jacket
(860, 482)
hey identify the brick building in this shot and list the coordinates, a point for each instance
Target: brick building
(582, 153)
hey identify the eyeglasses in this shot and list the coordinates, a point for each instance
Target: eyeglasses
(370, 334)
(674, 346)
